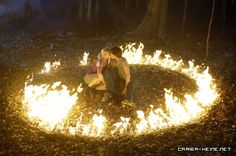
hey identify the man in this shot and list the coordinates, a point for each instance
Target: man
(118, 78)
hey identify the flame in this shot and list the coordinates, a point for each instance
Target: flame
(157, 119)
(49, 105)
(84, 62)
(94, 128)
(99, 124)
(48, 66)
(142, 126)
(121, 127)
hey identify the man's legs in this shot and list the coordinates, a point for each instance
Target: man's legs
(114, 85)
(110, 79)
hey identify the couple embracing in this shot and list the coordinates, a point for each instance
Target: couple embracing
(111, 73)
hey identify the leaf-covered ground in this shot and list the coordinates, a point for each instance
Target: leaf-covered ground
(22, 54)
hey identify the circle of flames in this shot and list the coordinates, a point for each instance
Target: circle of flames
(48, 105)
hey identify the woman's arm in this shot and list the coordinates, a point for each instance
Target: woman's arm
(99, 72)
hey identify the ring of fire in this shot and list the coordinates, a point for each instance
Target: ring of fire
(48, 105)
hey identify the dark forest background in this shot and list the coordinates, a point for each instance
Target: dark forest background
(95, 18)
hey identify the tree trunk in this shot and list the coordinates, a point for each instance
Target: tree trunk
(209, 28)
(149, 27)
(184, 16)
(163, 19)
(80, 11)
(126, 4)
(97, 19)
(224, 10)
(89, 11)
(223, 15)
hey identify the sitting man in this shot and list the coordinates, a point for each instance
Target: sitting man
(118, 79)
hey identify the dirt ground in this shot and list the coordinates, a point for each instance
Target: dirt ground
(22, 54)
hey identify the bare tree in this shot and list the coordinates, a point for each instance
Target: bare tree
(126, 4)
(224, 10)
(209, 27)
(89, 11)
(223, 14)
(81, 8)
(163, 19)
(97, 18)
(184, 15)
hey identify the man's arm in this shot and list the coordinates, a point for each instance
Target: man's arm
(127, 79)
(127, 75)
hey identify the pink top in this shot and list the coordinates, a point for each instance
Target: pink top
(95, 67)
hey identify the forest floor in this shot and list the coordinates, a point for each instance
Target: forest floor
(21, 54)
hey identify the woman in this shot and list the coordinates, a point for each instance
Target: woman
(94, 75)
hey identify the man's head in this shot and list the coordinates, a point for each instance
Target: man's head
(116, 53)
(106, 53)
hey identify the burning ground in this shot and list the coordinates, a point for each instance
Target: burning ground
(217, 128)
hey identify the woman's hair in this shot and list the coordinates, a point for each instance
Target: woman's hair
(103, 51)
(99, 56)
(106, 50)
(116, 51)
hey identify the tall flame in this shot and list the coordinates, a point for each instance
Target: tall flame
(84, 62)
(48, 66)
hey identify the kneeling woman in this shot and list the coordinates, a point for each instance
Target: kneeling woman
(94, 75)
